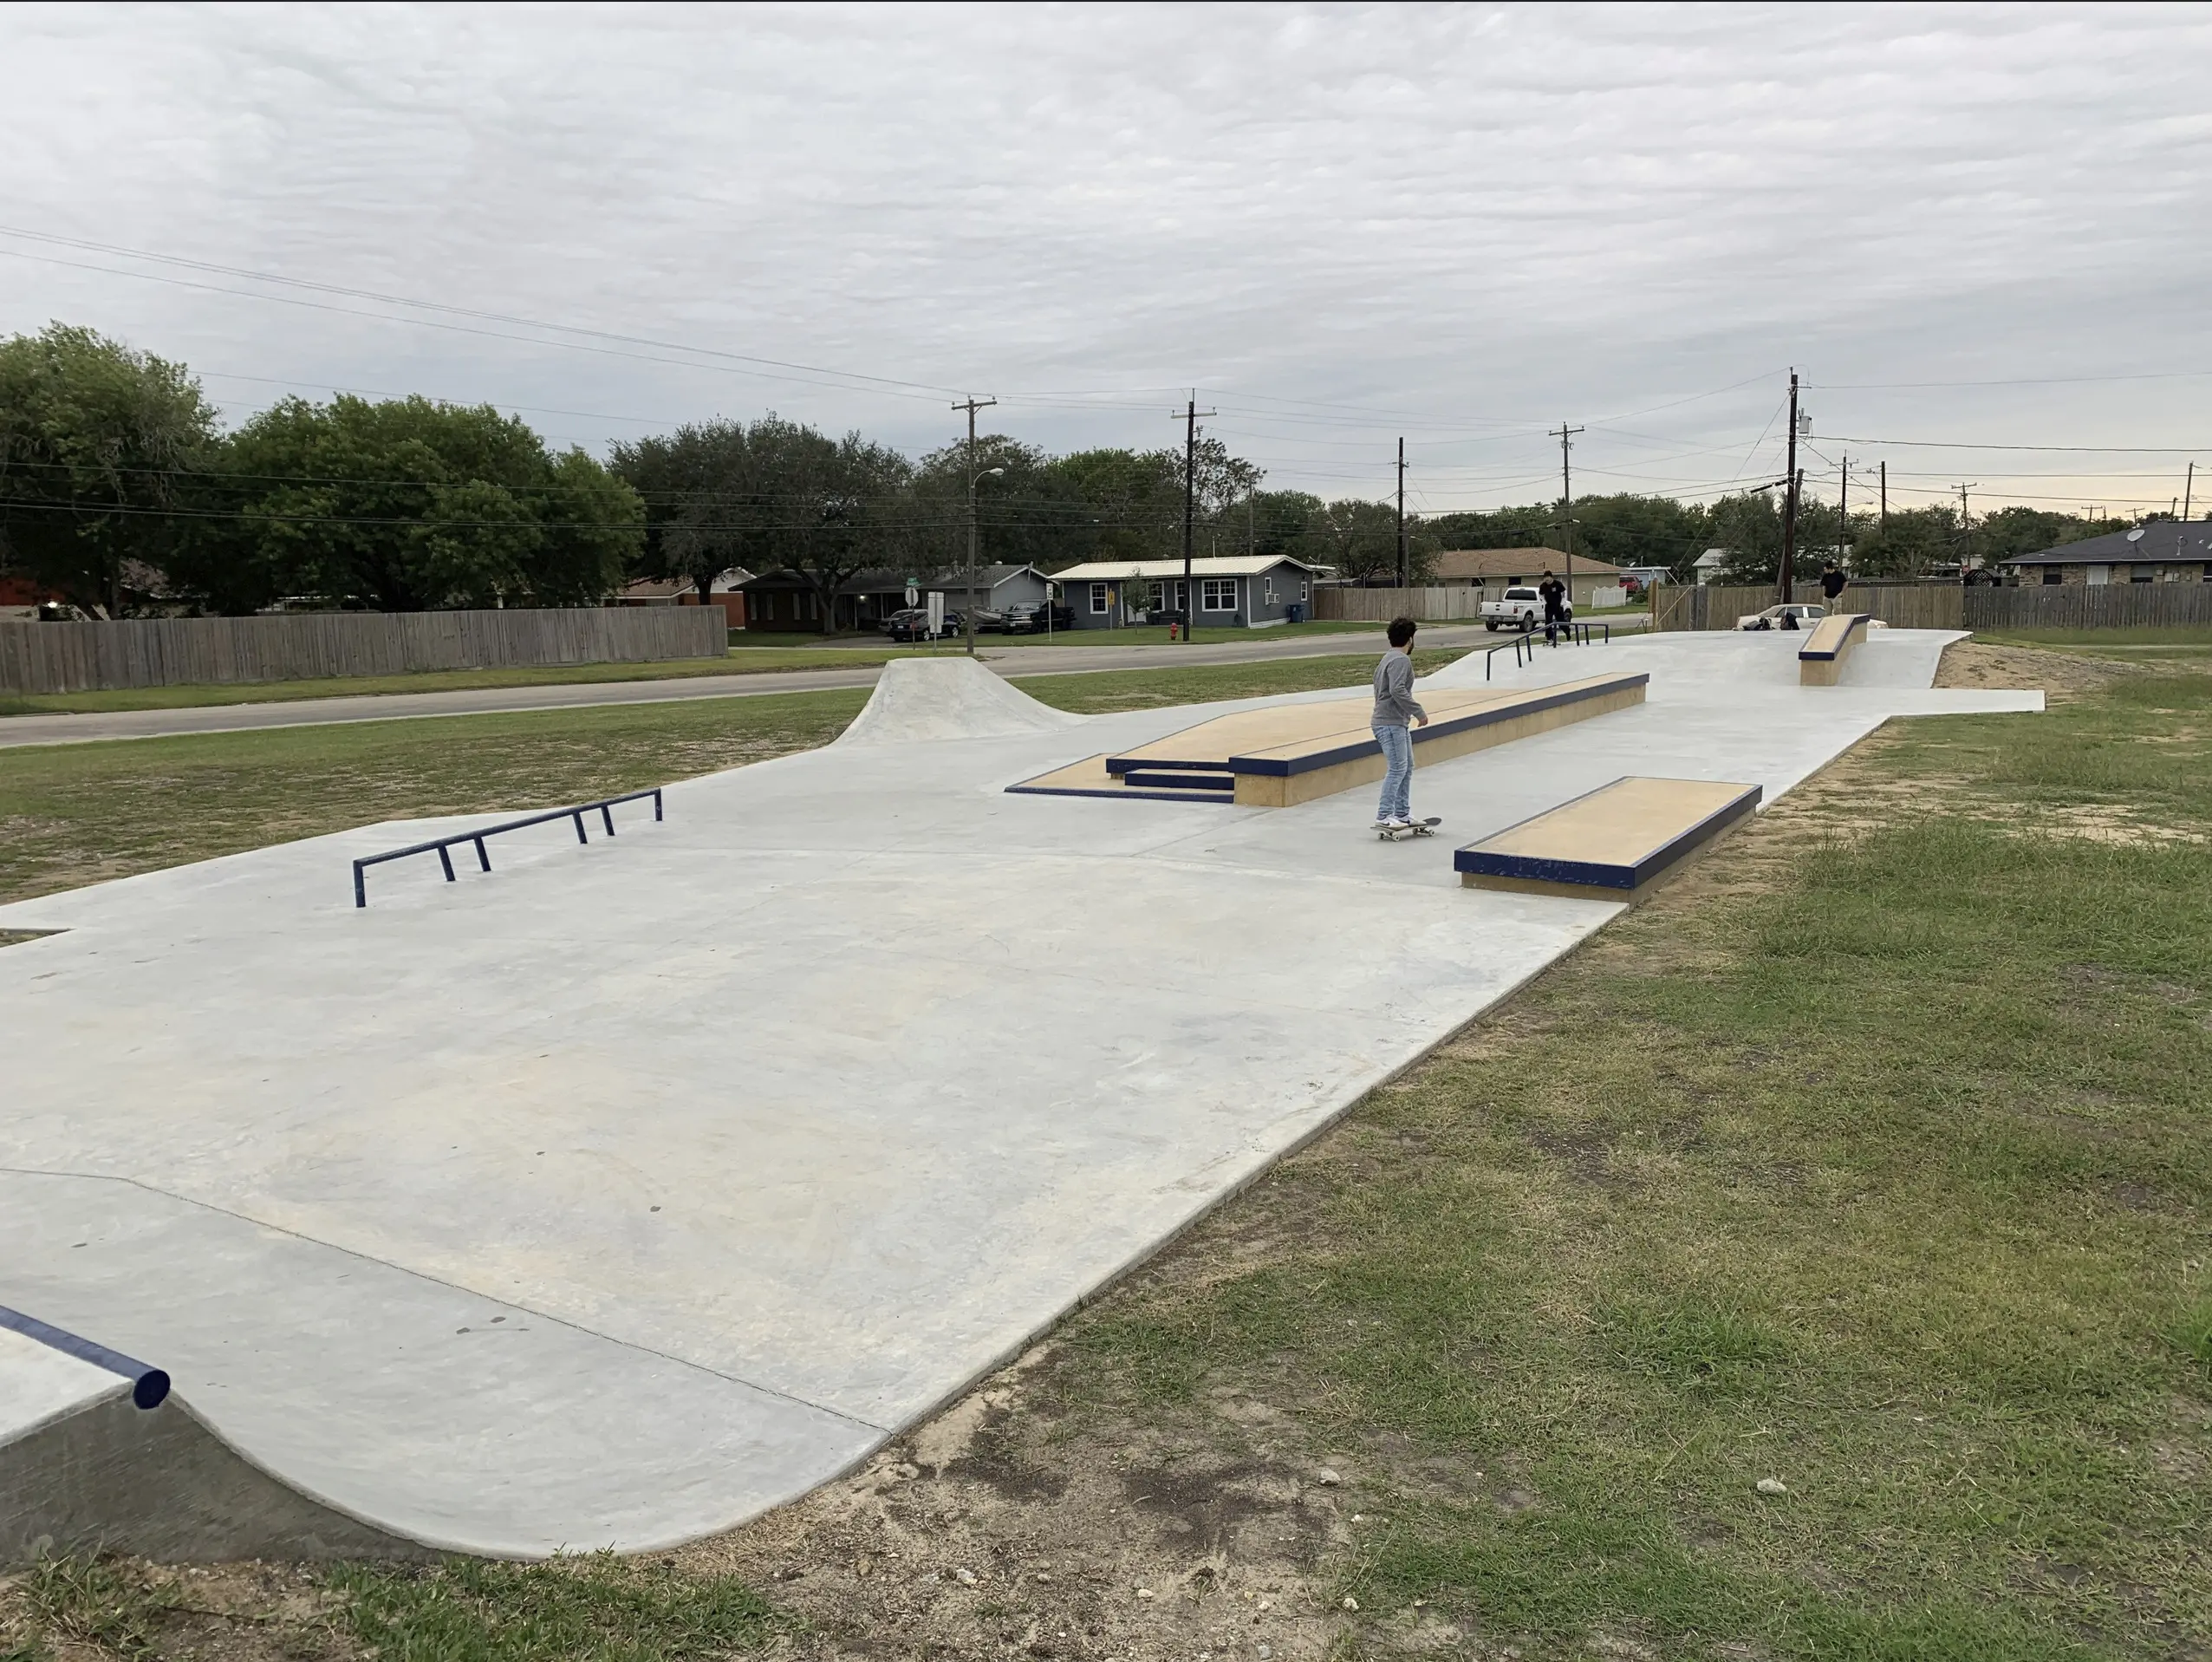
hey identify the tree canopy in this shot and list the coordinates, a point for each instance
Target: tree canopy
(97, 444)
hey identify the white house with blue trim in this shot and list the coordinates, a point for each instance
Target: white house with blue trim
(1233, 591)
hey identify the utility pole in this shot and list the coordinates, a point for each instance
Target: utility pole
(967, 614)
(1966, 544)
(1565, 435)
(1190, 413)
(1885, 499)
(2188, 490)
(1405, 573)
(1790, 497)
(1843, 514)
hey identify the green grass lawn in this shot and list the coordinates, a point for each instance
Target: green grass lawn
(2112, 642)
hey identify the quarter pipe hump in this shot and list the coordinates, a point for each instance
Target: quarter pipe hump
(920, 699)
(83, 1467)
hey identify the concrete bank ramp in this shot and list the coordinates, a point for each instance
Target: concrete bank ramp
(82, 1466)
(920, 699)
(1709, 663)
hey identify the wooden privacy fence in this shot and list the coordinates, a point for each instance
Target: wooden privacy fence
(1954, 606)
(1428, 605)
(1904, 605)
(175, 651)
(2091, 606)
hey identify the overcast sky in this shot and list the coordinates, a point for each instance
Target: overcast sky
(1339, 224)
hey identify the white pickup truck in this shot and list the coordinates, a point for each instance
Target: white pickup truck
(1521, 609)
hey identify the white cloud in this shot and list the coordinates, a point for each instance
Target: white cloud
(1489, 220)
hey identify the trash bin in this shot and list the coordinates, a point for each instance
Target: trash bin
(1295, 612)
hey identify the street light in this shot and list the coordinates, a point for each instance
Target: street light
(968, 617)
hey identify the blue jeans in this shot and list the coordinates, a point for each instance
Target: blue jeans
(1397, 781)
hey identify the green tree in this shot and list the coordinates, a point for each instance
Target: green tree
(1748, 525)
(709, 498)
(410, 505)
(1133, 502)
(1030, 512)
(2012, 531)
(1360, 539)
(846, 506)
(1915, 539)
(96, 443)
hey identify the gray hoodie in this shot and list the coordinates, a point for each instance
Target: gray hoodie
(1394, 704)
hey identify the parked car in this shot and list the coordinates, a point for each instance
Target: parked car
(1800, 617)
(989, 620)
(1028, 617)
(912, 623)
(1521, 609)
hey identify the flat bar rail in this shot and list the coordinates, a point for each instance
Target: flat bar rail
(443, 846)
(1523, 645)
(149, 1384)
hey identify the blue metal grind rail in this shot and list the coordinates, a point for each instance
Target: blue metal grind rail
(149, 1384)
(1523, 645)
(442, 845)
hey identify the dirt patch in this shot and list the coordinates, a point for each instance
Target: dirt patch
(2061, 676)
(1019, 1523)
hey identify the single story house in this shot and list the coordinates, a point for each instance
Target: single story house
(1235, 591)
(786, 602)
(1500, 569)
(727, 591)
(2164, 550)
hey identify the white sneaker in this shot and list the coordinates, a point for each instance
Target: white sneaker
(1400, 824)
(1382, 825)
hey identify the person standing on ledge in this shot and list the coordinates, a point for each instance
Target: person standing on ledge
(1832, 582)
(1394, 709)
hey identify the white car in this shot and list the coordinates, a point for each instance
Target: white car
(1803, 616)
(1521, 609)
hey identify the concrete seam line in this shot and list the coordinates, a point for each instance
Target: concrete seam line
(438, 1281)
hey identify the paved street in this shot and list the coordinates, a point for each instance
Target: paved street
(385, 707)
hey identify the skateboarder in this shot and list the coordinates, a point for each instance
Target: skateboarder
(1832, 582)
(1394, 708)
(1554, 593)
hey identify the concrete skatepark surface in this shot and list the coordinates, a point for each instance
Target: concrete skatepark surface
(620, 1194)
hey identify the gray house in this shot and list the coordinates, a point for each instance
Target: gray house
(2161, 551)
(1239, 591)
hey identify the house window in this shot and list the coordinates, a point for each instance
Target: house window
(1305, 588)
(1217, 595)
(2142, 573)
(2051, 574)
(1098, 600)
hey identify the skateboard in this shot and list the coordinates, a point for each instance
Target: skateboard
(1419, 828)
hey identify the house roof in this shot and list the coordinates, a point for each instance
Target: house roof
(894, 581)
(667, 587)
(1514, 563)
(1220, 566)
(2161, 539)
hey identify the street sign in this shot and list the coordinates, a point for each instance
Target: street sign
(936, 613)
(912, 591)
